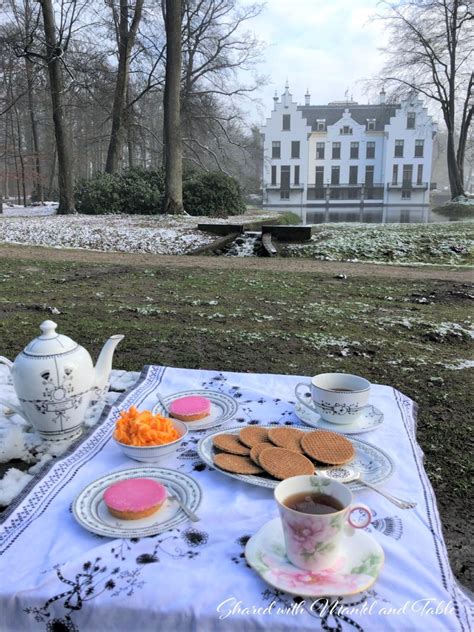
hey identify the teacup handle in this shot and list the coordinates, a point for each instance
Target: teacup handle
(364, 509)
(309, 404)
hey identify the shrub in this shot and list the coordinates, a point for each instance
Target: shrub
(98, 196)
(212, 193)
(133, 191)
(141, 191)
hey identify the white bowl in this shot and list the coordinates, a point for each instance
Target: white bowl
(153, 453)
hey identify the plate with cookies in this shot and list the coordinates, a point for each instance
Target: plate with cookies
(265, 455)
(198, 409)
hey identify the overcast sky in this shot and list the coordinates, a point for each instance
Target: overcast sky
(327, 46)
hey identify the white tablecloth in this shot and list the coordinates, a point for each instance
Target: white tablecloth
(58, 576)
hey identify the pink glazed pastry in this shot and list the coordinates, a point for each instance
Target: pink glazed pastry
(134, 498)
(190, 408)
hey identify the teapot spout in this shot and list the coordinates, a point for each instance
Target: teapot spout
(104, 364)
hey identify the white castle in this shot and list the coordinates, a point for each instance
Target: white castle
(347, 154)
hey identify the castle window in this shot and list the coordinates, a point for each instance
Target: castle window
(274, 174)
(286, 122)
(371, 125)
(319, 151)
(319, 176)
(419, 146)
(295, 148)
(354, 150)
(411, 120)
(395, 174)
(336, 151)
(369, 176)
(346, 130)
(419, 174)
(297, 174)
(321, 125)
(370, 150)
(398, 149)
(335, 175)
(276, 149)
(353, 174)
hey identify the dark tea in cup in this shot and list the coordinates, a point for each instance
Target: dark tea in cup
(313, 503)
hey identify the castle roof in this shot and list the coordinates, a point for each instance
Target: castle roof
(332, 113)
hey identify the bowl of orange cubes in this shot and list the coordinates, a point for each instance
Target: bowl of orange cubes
(146, 437)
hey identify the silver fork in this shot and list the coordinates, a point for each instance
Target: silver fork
(191, 515)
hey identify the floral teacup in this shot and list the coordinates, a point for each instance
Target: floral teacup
(339, 398)
(312, 540)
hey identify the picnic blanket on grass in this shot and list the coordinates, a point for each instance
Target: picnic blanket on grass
(56, 575)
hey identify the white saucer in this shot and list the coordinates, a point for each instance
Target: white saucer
(370, 419)
(355, 570)
(223, 408)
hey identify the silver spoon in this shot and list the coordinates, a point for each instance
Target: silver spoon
(191, 515)
(346, 474)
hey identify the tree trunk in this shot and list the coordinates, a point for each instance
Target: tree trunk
(63, 143)
(126, 41)
(38, 186)
(173, 203)
(455, 180)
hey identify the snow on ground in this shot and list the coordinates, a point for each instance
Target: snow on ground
(156, 234)
(18, 440)
(448, 243)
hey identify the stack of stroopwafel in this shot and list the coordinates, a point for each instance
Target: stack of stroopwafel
(280, 451)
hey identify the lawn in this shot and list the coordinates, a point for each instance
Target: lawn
(446, 243)
(413, 334)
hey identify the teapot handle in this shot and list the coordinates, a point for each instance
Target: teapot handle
(6, 361)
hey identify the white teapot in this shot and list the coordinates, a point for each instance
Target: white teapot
(55, 381)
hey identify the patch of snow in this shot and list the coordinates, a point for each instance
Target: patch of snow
(459, 365)
(154, 234)
(12, 484)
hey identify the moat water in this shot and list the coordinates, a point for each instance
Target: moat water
(366, 215)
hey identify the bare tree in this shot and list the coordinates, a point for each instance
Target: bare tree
(430, 53)
(55, 48)
(173, 203)
(126, 27)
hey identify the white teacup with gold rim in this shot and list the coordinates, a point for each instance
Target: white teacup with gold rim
(316, 514)
(339, 398)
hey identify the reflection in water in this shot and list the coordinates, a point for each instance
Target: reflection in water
(367, 215)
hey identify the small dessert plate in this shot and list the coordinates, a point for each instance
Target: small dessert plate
(91, 512)
(355, 570)
(223, 408)
(370, 419)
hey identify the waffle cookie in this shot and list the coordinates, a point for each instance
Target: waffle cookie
(230, 443)
(289, 438)
(236, 464)
(251, 435)
(257, 449)
(327, 447)
(282, 463)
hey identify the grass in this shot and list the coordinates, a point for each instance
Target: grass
(399, 332)
(448, 244)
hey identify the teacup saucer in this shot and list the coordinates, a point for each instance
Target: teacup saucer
(370, 419)
(355, 570)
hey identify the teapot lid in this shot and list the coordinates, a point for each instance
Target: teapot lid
(49, 342)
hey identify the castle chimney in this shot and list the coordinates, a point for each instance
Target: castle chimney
(275, 100)
(382, 96)
(307, 97)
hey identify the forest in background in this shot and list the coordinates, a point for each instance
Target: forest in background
(220, 56)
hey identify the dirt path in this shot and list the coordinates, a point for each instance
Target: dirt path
(37, 253)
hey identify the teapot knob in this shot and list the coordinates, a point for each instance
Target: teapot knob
(48, 329)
